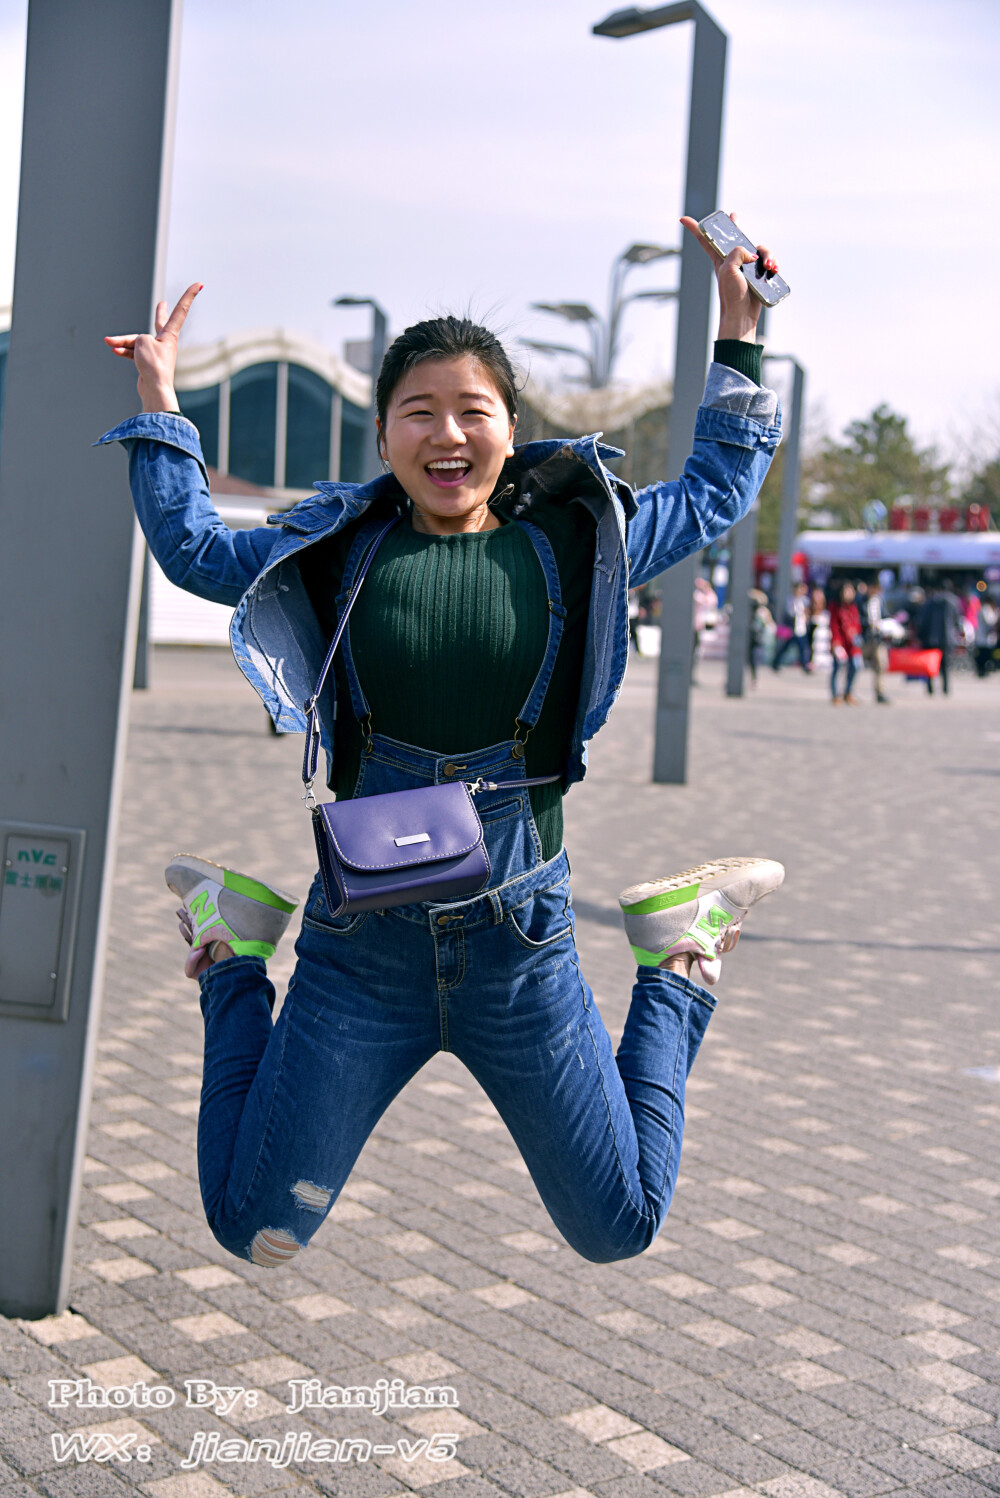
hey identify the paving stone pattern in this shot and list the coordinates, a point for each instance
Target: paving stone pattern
(821, 1314)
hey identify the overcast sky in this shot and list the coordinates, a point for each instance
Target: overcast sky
(442, 155)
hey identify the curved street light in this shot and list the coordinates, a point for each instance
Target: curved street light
(604, 333)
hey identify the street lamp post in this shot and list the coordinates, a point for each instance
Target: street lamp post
(742, 545)
(790, 480)
(372, 464)
(575, 312)
(676, 587)
(604, 336)
(742, 549)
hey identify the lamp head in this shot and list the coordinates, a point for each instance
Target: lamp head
(551, 348)
(620, 23)
(636, 18)
(642, 254)
(573, 311)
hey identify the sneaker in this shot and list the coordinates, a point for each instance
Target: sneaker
(700, 911)
(220, 905)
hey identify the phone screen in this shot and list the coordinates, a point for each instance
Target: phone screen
(724, 235)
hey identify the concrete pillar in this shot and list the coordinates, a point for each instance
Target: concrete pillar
(95, 170)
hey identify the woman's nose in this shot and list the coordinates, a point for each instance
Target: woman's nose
(449, 432)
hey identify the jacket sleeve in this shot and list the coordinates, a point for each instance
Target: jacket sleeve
(186, 534)
(736, 432)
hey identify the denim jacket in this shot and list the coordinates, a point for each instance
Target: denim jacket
(275, 636)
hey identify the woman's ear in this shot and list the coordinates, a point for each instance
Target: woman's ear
(510, 439)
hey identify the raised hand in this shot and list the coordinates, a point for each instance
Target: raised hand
(739, 309)
(155, 354)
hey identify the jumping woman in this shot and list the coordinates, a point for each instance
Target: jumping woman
(487, 645)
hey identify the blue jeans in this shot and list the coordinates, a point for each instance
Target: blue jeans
(495, 979)
(850, 667)
(796, 642)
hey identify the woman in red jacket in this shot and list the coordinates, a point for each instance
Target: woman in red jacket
(845, 635)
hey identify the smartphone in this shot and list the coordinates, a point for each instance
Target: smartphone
(723, 235)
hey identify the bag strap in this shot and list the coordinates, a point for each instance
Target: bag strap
(311, 706)
(475, 786)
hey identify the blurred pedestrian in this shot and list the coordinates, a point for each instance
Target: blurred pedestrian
(817, 608)
(705, 611)
(796, 620)
(986, 636)
(873, 650)
(939, 627)
(970, 606)
(760, 625)
(845, 640)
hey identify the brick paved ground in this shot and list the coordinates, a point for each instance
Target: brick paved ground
(822, 1312)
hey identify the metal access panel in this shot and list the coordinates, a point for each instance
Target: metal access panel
(40, 872)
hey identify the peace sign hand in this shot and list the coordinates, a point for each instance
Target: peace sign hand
(739, 309)
(155, 355)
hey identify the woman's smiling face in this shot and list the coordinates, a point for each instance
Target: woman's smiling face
(447, 434)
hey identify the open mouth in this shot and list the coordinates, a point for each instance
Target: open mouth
(448, 473)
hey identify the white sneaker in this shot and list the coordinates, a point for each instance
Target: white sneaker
(700, 911)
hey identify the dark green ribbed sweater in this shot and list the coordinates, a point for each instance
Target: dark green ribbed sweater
(448, 635)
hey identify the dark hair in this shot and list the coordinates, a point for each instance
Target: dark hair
(445, 338)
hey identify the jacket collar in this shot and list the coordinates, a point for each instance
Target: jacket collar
(552, 466)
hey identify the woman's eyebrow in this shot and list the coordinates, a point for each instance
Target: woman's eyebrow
(465, 395)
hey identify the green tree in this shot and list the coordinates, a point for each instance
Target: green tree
(983, 487)
(878, 459)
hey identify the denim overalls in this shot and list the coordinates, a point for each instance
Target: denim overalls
(493, 978)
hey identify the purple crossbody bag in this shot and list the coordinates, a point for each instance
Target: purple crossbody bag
(403, 846)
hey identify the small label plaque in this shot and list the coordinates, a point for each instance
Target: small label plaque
(39, 885)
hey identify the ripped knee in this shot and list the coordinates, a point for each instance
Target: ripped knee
(272, 1247)
(308, 1194)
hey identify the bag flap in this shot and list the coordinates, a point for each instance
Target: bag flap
(400, 829)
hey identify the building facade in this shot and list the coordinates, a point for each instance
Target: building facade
(275, 410)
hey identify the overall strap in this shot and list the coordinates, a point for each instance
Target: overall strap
(310, 706)
(532, 709)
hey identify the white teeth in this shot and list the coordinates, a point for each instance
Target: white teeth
(450, 463)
